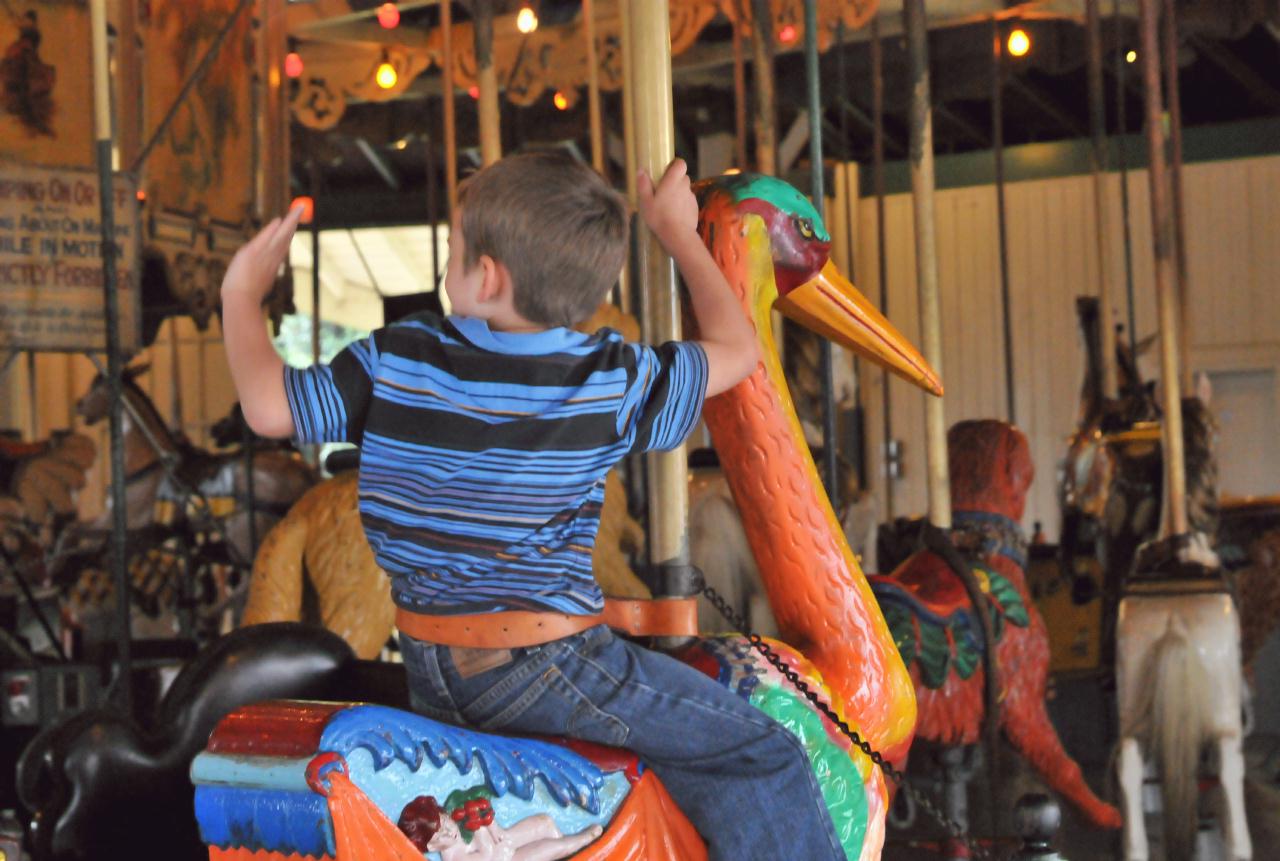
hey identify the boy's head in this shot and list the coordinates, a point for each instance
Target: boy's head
(554, 225)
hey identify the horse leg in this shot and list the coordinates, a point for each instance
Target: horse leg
(1231, 775)
(1131, 776)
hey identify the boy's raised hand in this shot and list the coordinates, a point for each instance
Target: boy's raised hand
(670, 209)
(254, 268)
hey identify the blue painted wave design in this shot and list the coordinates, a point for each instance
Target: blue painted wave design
(509, 765)
(268, 820)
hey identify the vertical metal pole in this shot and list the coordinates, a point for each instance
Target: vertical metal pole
(628, 296)
(33, 413)
(111, 302)
(315, 262)
(882, 253)
(593, 87)
(818, 193)
(655, 147)
(433, 212)
(450, 122)
(1101, 212)
(1174, 101)
(766, 119)
(922, 185)
(1002, 230)
(1124, 180)
(739, 90)
(487, 81)
(850, 170)
(1162, 234)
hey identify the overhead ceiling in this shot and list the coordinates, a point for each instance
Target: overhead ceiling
(373, 165)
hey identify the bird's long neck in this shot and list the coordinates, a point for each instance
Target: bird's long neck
(819, 596)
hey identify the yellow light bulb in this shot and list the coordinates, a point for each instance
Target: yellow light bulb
(1131, 57)
(561, 101)
(386, 76)
(1019, 43)
(526, 20)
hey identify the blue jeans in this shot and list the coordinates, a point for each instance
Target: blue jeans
(743, 781)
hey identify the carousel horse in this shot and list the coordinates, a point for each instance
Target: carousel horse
(326, 779)
(941, 638)
(170, 483)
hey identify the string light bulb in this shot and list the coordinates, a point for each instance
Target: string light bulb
(1019, 43)
(389, 16)
(473, 91)
(561, 101)
(293, 65)
(386, 76)
(787, 34)
(1131, 57)
(526, 19)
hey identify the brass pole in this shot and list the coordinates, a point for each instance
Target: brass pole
(1162, 234)
(655, 147)
(115, 363)
(627, 298)
(1170, 27)
(450, 122)
(1002, 231)
(766, 118)
(593, 87)
(739, 90)
(487, 81)
(922, 185)
(1101, 212)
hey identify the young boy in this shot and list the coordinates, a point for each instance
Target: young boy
(485, 440)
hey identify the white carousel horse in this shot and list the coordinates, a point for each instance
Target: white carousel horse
(1179, 689)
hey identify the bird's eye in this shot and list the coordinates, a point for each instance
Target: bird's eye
(805, 226)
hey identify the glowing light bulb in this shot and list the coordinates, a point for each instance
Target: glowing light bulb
(732, 171)
(473, 91)
(141, 195)
(526, 20)
(1131, 57)
(1019, 43)
(561, 101)
(787, 34)
(293, 65)
(386, 76)
(308, 206)
(389, 16)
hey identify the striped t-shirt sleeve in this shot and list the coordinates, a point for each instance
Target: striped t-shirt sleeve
(672, 379)
(329, 402)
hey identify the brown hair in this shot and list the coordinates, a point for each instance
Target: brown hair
(420, 820)
(557, 227)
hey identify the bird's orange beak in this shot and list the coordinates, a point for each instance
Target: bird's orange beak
(831, 306)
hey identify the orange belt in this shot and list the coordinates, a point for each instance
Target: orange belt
(511, 629)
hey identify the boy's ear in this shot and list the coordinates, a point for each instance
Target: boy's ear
(496, 282)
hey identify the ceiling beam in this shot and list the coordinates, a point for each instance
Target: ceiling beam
(963, 123)
(1260, 90)
(1049, 105)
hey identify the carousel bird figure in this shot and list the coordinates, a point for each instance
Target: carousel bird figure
(368, 764)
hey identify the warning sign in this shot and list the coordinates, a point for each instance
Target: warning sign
(51, 273)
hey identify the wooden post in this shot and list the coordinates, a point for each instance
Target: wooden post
(922, 185)
(111, 301)
(450, 123)
(1174, 101)
(1002, 231)
(593, 87)
(766, 119)
(1162, 234)
(882, 253)
(655, 147)
(487, 81)
(1102, 212)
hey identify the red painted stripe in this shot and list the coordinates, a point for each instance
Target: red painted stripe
(240, 854)
(286, 728)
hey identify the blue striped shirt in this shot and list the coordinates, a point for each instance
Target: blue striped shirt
(484, 454)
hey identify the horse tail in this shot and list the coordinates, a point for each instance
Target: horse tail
(1175, 716)
(275, 589)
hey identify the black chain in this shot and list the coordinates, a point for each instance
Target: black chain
(955, 828)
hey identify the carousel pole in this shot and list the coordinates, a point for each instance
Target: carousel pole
(1002, 231)
(739, 90)
(1101, 212)
(450, 122)
(1165, 271)
(882, 252)
(111, 298)
(487, 81)
(1124, 182)
(922, 185)
(593, 87)
(315, 262)
(627, 298)
(818, 193)
(655, 147)
(766, 119)
(1170, 26)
